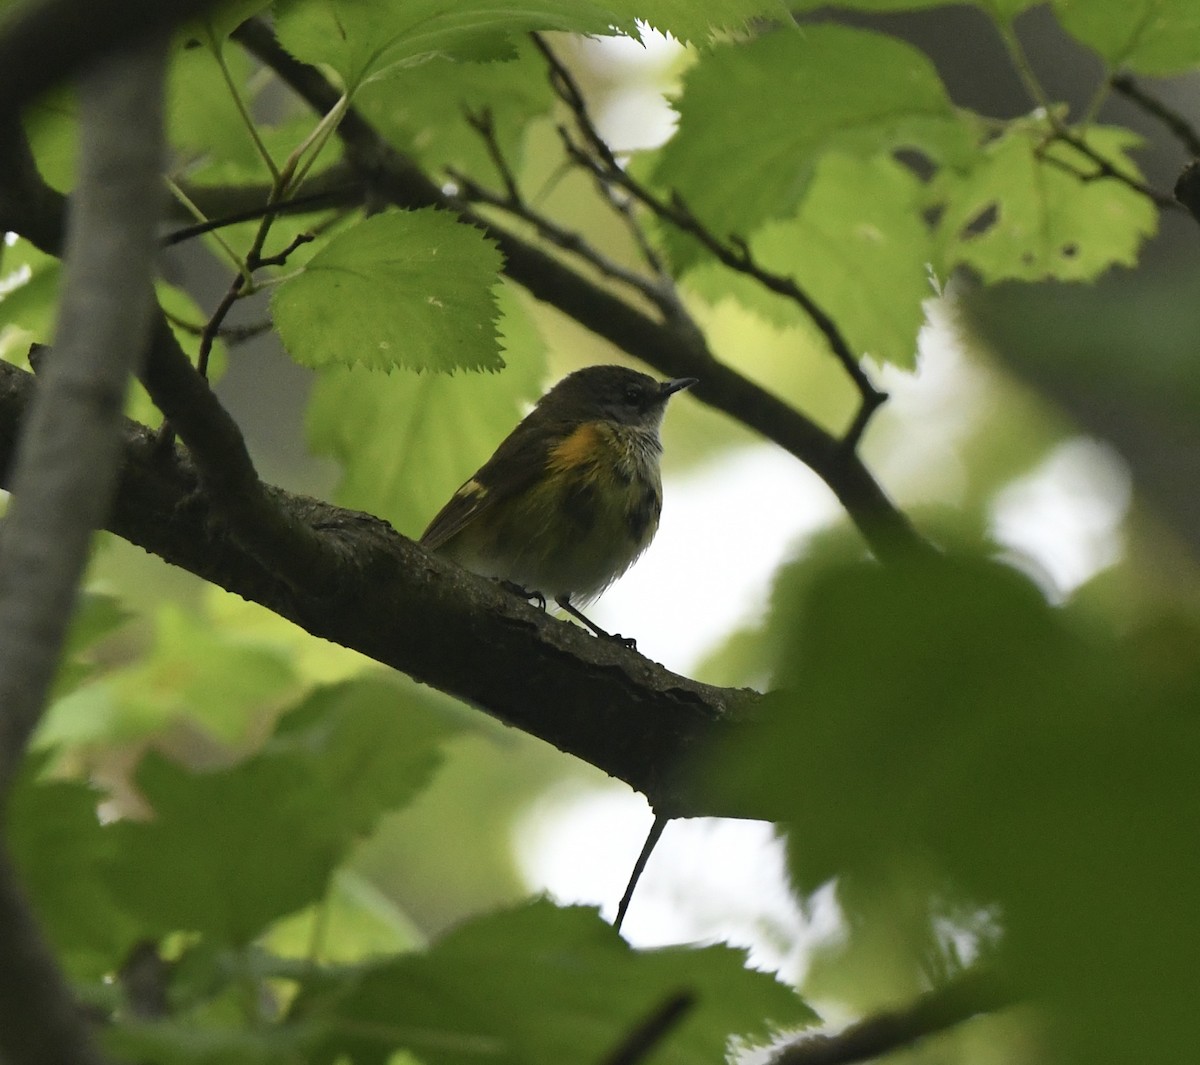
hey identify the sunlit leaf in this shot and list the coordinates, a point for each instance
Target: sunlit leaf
(858, 247)
(367, 39)
(762, 114)
(406, 288)
(424, 110)
(1029, 209)
(1148, 36)
(194, 675)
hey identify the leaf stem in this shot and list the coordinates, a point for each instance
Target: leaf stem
(176, 190)
(218, 52)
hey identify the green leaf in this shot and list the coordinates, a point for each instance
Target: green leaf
(363, 40)
(226, 18)
(924, 688)
(687, 20)
(405, 442)
(97, 615)
(423, 110)
(1157, 37)
(1003, 8)
(858, 247)
(213, 678)
(367, 39)
(406, 288)
(355, 920)
(54, 835)
(52, 126)
(761, 115)
(203, 120)
(540, 985)
(1006, 10)
(184, 1042)
(30, 297)
(229, 851)
(933, 720)
(1030, 212)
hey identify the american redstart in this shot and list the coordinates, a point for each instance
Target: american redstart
(572, 495)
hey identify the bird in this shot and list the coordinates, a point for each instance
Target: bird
(571, 497)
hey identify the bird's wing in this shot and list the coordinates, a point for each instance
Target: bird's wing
(517, 463)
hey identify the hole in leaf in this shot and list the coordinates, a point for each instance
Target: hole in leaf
(916, 161)
(981, 223)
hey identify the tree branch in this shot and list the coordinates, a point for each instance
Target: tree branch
(665, 345)
(221, 464)
(428, 618)
(349, 578)
(1187, 189)
(1104, 169)
(63, 478)
(67, 461)
(1175, 123)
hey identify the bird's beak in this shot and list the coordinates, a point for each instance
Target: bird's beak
(669, 388)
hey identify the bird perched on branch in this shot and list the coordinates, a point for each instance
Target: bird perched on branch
(572, 495)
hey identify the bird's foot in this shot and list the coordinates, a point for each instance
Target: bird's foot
(525, 593)
(625, 641)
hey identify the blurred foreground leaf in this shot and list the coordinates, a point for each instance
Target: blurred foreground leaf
(942, 717)
(540, 985)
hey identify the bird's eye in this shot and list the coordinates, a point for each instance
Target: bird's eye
(633, 395)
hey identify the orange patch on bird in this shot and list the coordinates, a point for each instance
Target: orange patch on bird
(578, 449)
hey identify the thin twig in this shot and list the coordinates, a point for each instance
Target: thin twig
(230, 334)
(513, 202)
(884, 1033)
(652, 838)
(326, 199)
(597, 157)
(243, 284)
(470, 191)
(483, 124)
(1173, 120)
(623, 207)
(216, 46)
(279, 258)
(1104, 169)
(640, 1043)
(212, 327)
